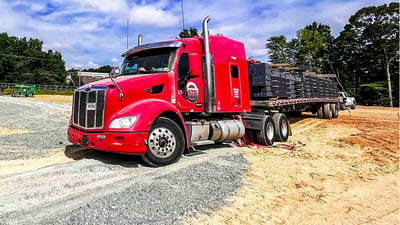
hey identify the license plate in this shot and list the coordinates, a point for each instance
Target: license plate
(85, 140)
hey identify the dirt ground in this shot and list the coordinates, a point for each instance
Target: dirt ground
(343, 171)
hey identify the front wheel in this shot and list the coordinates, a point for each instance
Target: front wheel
(165, 143)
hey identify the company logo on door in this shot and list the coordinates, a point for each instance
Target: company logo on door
(192, 92)
(235, 92)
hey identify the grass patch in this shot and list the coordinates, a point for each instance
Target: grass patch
(7, 91)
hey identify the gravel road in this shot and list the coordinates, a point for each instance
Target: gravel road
(94, 187)
(45, 122)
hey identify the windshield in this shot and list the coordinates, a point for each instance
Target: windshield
(148, 61)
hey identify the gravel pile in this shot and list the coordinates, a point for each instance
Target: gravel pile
(46, 122)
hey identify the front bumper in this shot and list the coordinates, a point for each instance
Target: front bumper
(119, 142)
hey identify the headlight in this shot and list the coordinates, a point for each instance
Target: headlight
(123, 122)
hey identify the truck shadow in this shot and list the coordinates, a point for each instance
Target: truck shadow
(294, 119)
(78, 153)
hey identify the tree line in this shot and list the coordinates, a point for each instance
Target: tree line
(365, 55)
(23, 60)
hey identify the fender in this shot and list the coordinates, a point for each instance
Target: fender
(147, 111)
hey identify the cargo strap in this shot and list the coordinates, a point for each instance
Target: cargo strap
(245, 142)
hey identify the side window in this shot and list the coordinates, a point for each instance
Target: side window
(234, 71)
(183, 66)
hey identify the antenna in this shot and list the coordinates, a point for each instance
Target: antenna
(183, 16)
(127, 32)
(183, 23)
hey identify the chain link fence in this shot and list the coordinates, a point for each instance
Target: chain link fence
(39, 87)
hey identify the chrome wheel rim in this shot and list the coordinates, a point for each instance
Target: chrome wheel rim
(270, 131)
(162, 142)
(284, 128)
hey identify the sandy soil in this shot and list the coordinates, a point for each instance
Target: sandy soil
(343, 171)
(54, 98)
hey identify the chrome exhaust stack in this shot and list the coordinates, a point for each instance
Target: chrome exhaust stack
(208, 78)
(139, 40)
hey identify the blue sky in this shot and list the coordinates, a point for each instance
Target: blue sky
(91, 33)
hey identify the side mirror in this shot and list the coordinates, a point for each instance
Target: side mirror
(195, 65)
(115, 72)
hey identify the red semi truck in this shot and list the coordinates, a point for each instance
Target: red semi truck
(170, 96)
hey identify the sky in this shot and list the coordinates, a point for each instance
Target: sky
(92, 33)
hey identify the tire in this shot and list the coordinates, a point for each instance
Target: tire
(251, 134)
(320, 112)
(327, 111)
(13, 94)
(165, 144)
(342, 106)
(281, 127)
(29, 94)
(353, 106)
(334, 110)
(267, 135)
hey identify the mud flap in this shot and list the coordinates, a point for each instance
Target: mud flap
(289, 129)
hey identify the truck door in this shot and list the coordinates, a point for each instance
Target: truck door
(189, 96)
(236, 94)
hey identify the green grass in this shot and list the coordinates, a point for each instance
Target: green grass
(8, 91)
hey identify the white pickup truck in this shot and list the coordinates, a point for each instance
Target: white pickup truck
(347, 101)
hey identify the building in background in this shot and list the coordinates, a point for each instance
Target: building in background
(89, 77)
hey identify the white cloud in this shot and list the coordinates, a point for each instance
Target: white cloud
(114, 60)
(91, 64)
(75, 66)
(57, 46)
(149, 15)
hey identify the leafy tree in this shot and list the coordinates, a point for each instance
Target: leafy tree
(278, 49)
(185, 33)
(314, 43)
(101, 69)
(311, 46)
(368, 47)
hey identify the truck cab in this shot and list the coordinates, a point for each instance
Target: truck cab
(347, 101)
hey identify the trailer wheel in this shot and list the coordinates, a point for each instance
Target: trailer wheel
(327, 111)
(267, 135)
(320, 112)
(165, 143)
(334, 110)
(281, 127)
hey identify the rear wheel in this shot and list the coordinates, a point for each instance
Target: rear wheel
(281, 127)
(29, 94)
(165, 143)
(334, 110)
(267, 135)
(327, 111)
(320, 112)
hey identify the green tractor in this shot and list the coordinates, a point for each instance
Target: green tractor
(24, 90)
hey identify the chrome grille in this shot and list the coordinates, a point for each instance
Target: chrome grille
(88, 107)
